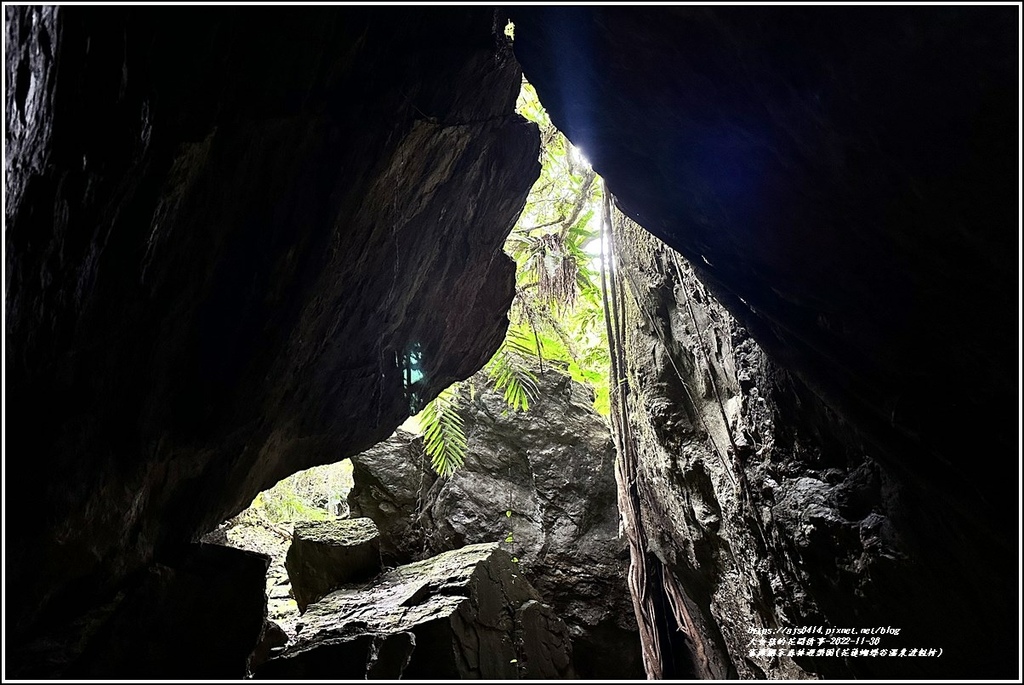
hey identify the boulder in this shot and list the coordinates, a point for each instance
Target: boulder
(552, 469)
(389, 481)
(462, 614)
(273, 640)
(326, 554)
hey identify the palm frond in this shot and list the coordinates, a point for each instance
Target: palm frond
(518, 342)
(444, 439)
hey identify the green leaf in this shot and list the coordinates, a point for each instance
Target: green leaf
(444, 439)
(508, 513)
(510, 374)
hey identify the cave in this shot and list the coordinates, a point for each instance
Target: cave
(243, 242)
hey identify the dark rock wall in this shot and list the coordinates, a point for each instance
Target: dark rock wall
(844, 181)
(239, 243)
(765, 508)
(202, 615)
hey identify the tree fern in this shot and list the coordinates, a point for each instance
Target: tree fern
(444, 439)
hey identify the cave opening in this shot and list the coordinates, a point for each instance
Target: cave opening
(555, 345)
(570, 296)
(238, 246)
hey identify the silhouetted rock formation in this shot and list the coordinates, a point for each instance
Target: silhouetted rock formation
(201, 614)
(240, 243)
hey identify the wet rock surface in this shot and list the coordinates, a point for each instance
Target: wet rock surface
(326, 554)
(764, 508)
(462, 614)
(551, 468)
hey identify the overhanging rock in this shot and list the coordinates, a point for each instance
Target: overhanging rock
(239, 244)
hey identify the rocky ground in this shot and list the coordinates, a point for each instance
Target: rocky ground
(256, 535)
(311, 493)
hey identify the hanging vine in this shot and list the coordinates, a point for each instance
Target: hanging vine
(658, 601)
(625, 464)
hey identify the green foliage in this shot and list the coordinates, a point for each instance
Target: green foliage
(444, 438)
(283, 506)
(557, 315)
(508, 371)
(303, 496)
(558, 303)
(528, 105)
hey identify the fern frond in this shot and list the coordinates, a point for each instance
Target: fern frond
(510, 374)
(444, 439)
